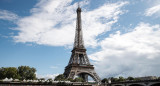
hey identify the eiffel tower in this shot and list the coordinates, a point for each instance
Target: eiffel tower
(79, 64)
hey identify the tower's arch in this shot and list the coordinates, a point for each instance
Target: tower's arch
(88, 74)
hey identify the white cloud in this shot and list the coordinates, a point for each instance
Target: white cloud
(53, 23)
(53, 67)
(99, 21)
(153, 10)
(7, 15)
(135, 53)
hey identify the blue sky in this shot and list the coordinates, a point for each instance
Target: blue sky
(121, 37)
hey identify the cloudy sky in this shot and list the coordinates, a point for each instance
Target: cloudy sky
(122, 37)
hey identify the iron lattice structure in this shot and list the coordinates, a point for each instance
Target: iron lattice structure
(79, 64)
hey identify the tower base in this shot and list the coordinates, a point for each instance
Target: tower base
(73, 70)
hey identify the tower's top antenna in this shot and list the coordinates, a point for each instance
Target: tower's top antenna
(78, 5)
(78, 9)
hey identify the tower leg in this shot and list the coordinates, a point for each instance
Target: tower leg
(84, 77)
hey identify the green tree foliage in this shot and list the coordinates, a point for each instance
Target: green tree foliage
(60, 77)
(23, 72)
(137, 79)
(42, 79)
(78, 79)
(27, 72)
(130, 78)
(12, 72)
(70, 79)
(114, 79)
(50, 80)
(105, 80)
(121, 79)
(8, 72)
(2, 73)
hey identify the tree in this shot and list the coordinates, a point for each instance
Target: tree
(114, 79)
(50, 80)
(11, 72)
(27, 72)
(42, 79)
(70, 79)
(121, 79)
(2, 73)
(130, 78)
(137, 79)
(105, 80)
(23, 72)
(78, 79)
(60, 77)
(8, 72)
